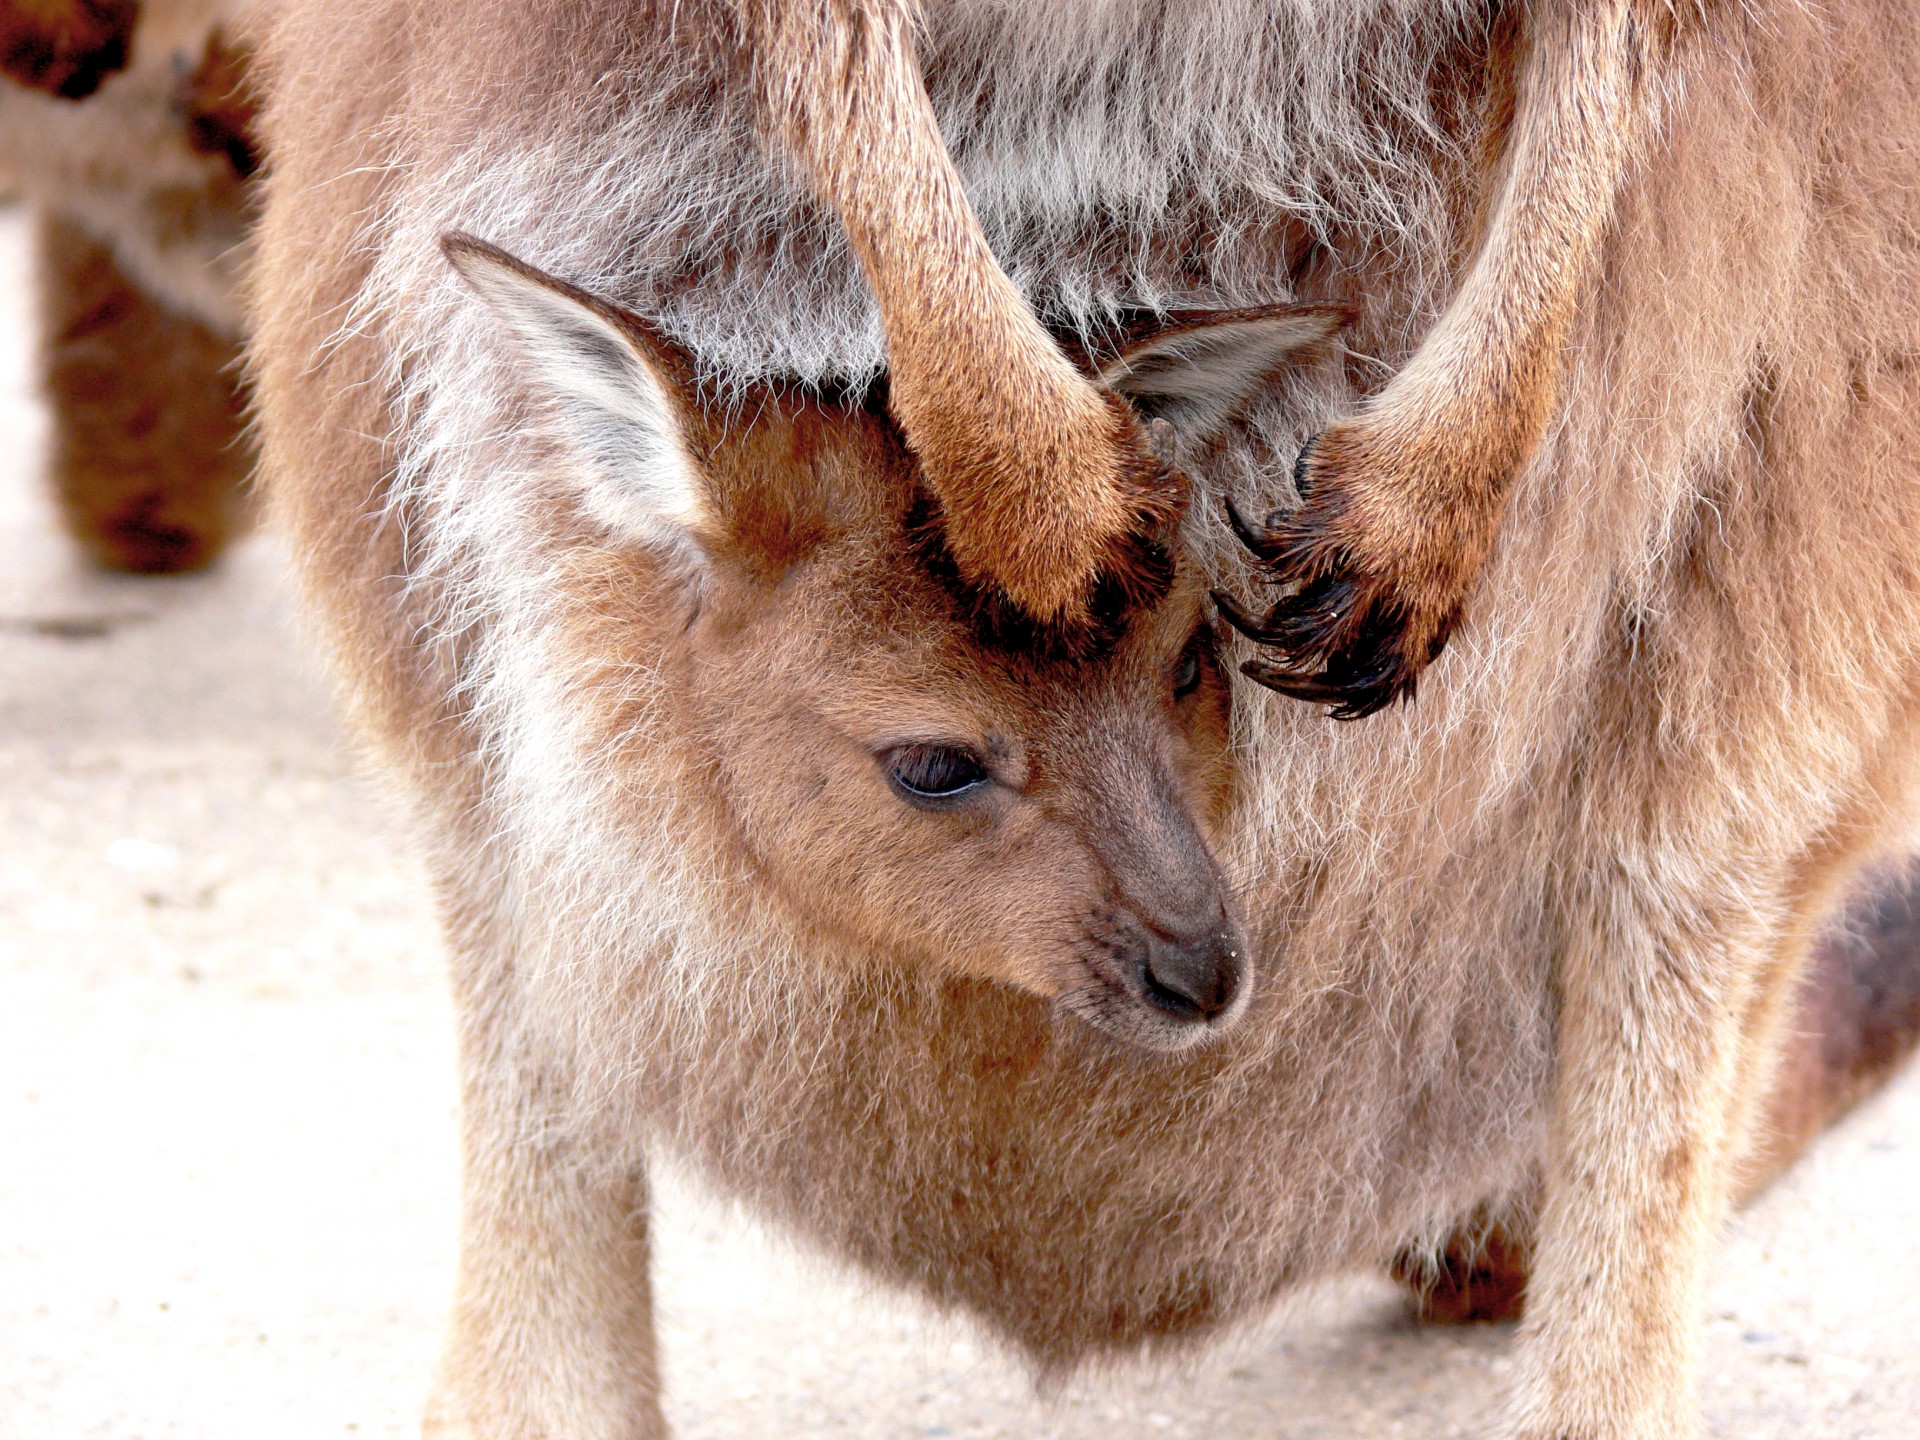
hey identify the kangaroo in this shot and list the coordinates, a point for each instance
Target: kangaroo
(127, 127)
(847, 520)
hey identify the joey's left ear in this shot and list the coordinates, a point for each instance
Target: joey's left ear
(623, 394)
(1201, 368)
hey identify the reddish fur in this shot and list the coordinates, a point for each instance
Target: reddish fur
(148, 462)
(65, 47)
(1043, 484)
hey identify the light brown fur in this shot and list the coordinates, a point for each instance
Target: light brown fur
(1540, 928)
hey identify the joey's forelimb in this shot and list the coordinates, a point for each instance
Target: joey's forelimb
(1401, 503)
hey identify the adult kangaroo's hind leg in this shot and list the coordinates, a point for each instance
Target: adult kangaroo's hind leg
(147, 457)
(1402, 502)
(552, 1334)
(1654, 981)
(1854, 1023)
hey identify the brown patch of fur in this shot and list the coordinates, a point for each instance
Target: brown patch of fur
(1479, 1276)
(220, 105)
(65, 47)
(147, 458)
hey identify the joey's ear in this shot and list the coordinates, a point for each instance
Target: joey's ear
(1199, 370)
(621, 392)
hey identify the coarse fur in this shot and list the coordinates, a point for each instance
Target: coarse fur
(1538, 929)
(134, 150)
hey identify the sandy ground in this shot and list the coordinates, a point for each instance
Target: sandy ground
(226, 1111)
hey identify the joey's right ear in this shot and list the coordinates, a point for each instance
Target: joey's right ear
(1197, 369)
(621, 392)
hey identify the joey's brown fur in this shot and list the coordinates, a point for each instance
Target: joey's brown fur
(682, 627)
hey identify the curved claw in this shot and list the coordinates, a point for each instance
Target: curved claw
(1257, 540)
(1347, 631)
(1339, 645)
(1239, 619)
(1348, 697)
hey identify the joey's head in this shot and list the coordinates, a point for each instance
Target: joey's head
(905, 771)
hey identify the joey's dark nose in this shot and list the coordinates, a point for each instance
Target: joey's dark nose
(1194, 979)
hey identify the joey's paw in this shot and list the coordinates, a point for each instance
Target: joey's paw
(1373, 587)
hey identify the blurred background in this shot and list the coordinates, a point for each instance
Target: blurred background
(227, 1162)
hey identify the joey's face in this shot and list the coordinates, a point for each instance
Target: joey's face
(900, 775)
(905, 784)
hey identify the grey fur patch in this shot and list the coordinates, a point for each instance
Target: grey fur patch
(1121, 155)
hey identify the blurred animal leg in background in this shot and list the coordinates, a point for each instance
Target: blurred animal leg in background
(65, 47)
(147, 459)
(1856, 1018)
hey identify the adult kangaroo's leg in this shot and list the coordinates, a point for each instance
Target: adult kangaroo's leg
(1403, 501)
(148, 460)
(1852, 1021)
(552, 1330)
(65, 47)
(1652, 1004)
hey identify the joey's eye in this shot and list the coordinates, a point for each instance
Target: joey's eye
(932, 773)
(1186, 671)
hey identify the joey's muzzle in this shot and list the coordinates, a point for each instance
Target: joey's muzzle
(1164, 987)
(1197, 980)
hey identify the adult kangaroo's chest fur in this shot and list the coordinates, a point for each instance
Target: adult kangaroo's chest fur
(1540, 921)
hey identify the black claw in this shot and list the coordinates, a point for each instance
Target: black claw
(1339, 641)
(1302, 480)
(1370, 702)
(1312, 686)
(1354, 681)
(1346, 699)
(1257, 540)
(1326, 619)
(1254, 630)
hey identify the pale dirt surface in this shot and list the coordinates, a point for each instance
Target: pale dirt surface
(226, 1111)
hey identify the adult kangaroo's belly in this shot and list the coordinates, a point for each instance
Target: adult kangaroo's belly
(1080, 1198)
